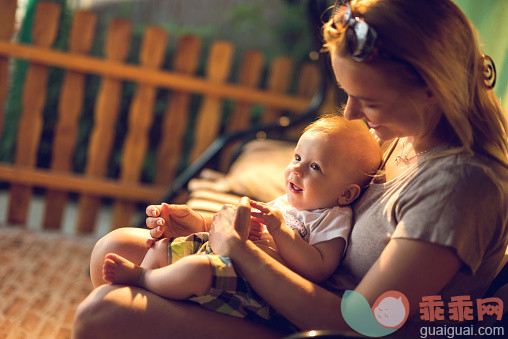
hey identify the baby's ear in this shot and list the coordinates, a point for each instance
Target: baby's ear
(350, 194)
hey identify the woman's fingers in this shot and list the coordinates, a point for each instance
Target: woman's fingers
(242, 218)
(245, 201)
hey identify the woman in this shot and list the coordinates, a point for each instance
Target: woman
(414, 72)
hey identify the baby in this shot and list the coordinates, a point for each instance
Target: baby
(306, 229)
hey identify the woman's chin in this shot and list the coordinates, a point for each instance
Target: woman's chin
(384, 134)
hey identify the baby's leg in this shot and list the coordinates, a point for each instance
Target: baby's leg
(157, 255)
(189, 276)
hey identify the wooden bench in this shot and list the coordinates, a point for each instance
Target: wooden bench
(183, 82)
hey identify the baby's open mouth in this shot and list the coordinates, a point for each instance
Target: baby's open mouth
(295, 188)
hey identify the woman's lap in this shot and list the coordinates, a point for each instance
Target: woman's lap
(113, 310)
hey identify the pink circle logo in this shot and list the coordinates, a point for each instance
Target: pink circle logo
(391, 309)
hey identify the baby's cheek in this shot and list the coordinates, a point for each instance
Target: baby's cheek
(286, 173)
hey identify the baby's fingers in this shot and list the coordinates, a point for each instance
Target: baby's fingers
(156, 232)
(154, 222)
(259, 206)
(153, 211)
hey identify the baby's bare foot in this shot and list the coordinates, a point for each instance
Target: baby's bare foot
(118, 270)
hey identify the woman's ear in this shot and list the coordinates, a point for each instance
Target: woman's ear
(350, 194)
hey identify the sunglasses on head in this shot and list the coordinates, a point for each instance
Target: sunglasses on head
(360, 37)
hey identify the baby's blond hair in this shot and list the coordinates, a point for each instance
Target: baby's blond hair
(362, 149)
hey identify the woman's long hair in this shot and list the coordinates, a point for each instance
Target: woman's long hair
(441, 46)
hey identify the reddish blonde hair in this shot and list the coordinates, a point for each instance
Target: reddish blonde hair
(442, 47)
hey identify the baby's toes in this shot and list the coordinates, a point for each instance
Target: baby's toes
(108, 270)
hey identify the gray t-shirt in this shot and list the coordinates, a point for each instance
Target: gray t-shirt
(454, 200)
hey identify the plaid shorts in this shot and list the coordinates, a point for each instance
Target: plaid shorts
(229, 293)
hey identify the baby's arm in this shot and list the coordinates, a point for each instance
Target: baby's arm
(314, 262)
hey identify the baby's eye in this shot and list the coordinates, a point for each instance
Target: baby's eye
(315, 166)
(297, 157)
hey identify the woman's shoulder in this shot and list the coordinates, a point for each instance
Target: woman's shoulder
(462, 168)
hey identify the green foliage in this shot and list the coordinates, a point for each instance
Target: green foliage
(285, 32)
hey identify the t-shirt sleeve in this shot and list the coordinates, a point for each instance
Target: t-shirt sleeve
(334, 223)
(458, 206)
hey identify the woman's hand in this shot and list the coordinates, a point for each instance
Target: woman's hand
(230, 228)
(166, 221)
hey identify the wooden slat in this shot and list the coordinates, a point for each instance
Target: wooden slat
(69, 109)
(249, 75)
(177, 112)
(140, 120)
(70, 182)
(34, 97)
(308, 80)
(6, 31)
(87, 64)
(306, 87)
(218, 67)
(105, 115)
(279, 79)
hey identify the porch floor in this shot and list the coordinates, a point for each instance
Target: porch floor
(43, 278)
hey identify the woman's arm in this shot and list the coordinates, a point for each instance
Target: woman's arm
(406, 266)
(299, 300)
(415, 268)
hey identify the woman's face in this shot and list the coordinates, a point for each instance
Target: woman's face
(372, 96)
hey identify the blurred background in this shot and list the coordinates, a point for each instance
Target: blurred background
(275, 27)
(44, 275)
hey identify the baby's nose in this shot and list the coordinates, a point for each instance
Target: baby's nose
(296, 170)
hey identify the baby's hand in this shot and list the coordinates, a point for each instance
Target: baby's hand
(255, 230)
(267, 215)
(157, 220)
(167, 221)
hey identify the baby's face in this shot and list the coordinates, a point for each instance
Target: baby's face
(317, 176)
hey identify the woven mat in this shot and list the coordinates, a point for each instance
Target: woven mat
(43, 278)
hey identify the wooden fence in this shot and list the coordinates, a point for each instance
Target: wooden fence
(126, 190)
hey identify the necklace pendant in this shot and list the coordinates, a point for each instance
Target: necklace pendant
(401, 158)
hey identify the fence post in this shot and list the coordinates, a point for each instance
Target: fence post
(218, 67)
(105, 116)
(177, 112)
(279, 78)
(140, 119)
(69, 108)
(34, 97)
(7, 15)
(249, 75)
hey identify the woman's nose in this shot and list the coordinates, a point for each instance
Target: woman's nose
(353, 109)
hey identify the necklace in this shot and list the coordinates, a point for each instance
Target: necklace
(403, 158)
